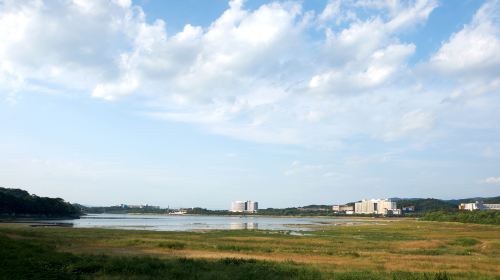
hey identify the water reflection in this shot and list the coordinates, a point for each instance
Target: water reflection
(244, 226)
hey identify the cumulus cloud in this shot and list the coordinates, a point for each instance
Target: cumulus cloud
(473, 51)
(254, 75)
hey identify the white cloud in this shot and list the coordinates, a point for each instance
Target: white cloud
(332, 9)
(473, 51)
(416, 120)
(256, 74)
(491, 180)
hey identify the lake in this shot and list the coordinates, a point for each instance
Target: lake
(197, 223)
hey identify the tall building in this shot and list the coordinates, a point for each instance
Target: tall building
(252, 206)
(248, 206)
(238, 206)
(375, 206)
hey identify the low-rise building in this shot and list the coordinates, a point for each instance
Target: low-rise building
(478, 206)
(342, 208)
(408, 208)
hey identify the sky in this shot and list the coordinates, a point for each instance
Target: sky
(288, 103)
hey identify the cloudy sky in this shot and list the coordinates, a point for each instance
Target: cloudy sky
(198, 103)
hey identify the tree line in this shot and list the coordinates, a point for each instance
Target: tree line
(20, 203)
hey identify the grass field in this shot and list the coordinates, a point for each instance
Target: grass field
(390, 249)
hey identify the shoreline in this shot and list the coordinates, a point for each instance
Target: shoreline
(353, 217)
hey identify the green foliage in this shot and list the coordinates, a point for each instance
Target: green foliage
(121, 210)
(17, 202)
(203, 211)
(465, 242)
(491, 217)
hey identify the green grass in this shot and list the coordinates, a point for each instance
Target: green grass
(28, 259)
(395, 250)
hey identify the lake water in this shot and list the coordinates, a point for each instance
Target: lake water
(195, 223)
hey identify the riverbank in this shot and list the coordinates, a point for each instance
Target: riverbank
(408, 249)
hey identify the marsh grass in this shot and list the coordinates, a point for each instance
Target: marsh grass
(399, 250)
(172, 245)
(28, 259)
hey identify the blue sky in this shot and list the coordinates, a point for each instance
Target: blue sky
(199, 103)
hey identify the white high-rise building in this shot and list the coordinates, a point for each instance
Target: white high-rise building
(244, 206)
(238, 206)
(252, 206)
(375, 206)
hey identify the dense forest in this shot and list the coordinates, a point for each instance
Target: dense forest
(19, 203)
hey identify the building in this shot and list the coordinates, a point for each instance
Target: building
(139, 206)
(408, 208)
(238, 206)
(478, 206)
(252, 206)
(248, 206)
(393, 212)
(376, 206)
(342, 208)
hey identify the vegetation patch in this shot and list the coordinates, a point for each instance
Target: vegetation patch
(237, 248)
(172, 245)
(465, 242)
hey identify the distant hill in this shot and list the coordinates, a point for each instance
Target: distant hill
(20, 203)
(426, 204)
(495, 199)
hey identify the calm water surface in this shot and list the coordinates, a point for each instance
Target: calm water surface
(194, 223)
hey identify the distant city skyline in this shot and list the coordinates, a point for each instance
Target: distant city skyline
(289, 103)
